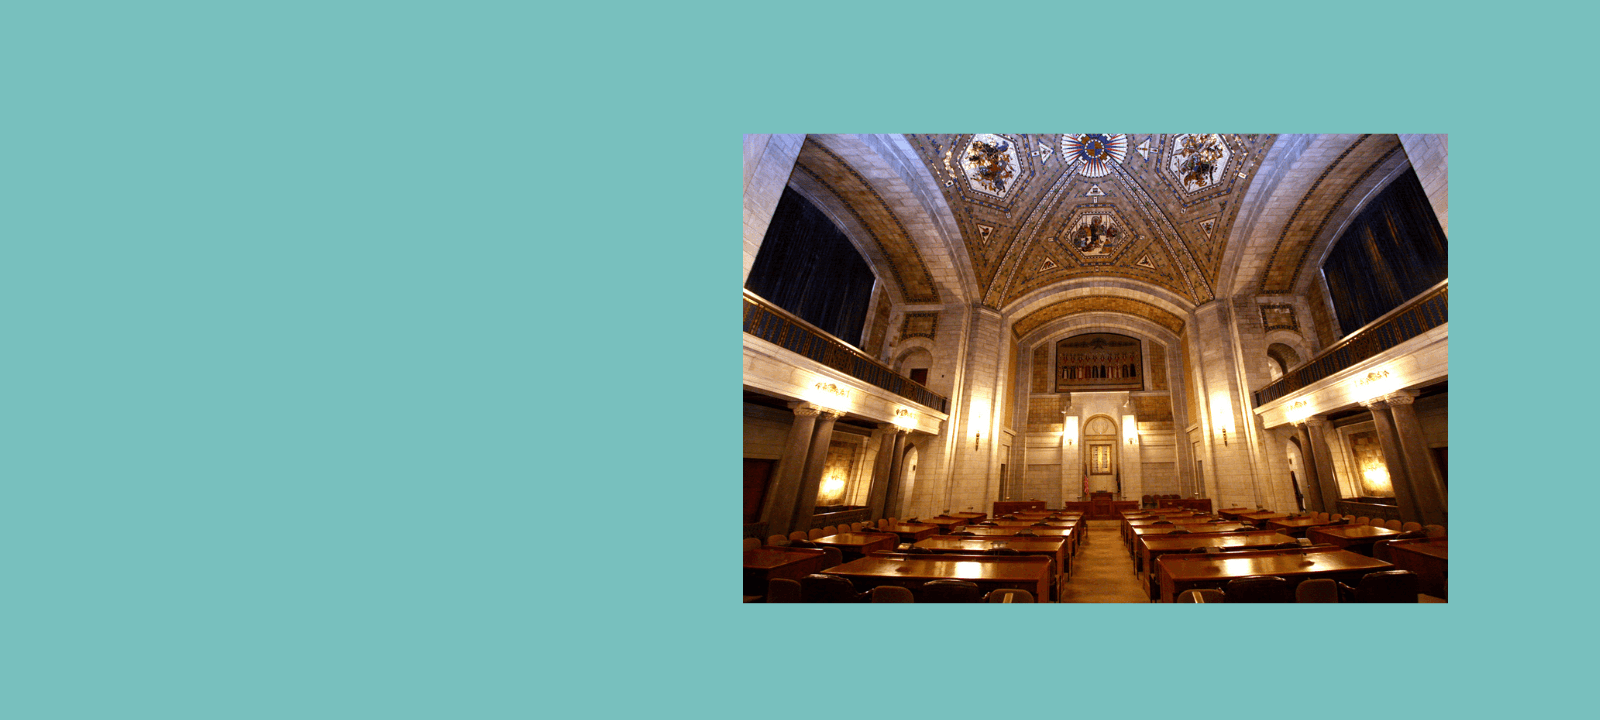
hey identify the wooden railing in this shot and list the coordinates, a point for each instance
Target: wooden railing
(1419, 315)
(775, 325)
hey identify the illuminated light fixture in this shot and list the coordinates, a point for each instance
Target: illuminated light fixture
(832, 486)
(1222, 414)
(1130, 428)
(1069, 429)
(905, 418)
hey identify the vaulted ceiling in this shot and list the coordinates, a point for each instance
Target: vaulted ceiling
(1034, 223)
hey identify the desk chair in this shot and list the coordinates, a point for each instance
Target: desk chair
(892, 594)
(752, 543)
(1387, 586)
(783, 590)
(777, 540)
(831, 556)
(1393, 525)
(1411, 527)
(948, 591)
(798, 535)
(1317, 590)
(1434, 530)
(1009, 595)
(1202, 596)
(1259, 590)
(828, 589)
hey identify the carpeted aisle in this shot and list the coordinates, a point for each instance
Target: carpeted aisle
(1103, 572)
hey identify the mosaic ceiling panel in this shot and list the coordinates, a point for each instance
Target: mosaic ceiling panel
(859, 197)
(1038, 209)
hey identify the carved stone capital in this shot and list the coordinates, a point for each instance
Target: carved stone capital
(806, 409)
(1316, 421)
(830, 412)
(1401, 397)
(1376, 403)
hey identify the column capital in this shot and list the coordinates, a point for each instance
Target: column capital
(830, 412)
(1316, 421)
(1376, 403)
(805, 409)
(1401, 397)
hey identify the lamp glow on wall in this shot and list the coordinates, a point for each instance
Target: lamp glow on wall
(978, 419)
(1130, 429)
(1298, 411)
(1376, 383)
(905, 418)
(832, 487)
(1222, 415)
(1069, 429)
(827, 392)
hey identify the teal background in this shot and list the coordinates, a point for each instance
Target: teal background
(377, 359)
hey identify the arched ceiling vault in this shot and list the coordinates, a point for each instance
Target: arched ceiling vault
(1044, 226)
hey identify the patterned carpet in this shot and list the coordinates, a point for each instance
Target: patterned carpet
(1103, 572)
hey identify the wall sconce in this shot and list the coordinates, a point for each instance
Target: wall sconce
(1130, 428)
(1222, 414)
(1069, 430)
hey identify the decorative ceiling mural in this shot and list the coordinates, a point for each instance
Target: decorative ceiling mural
(1152, 208)
(990, 162)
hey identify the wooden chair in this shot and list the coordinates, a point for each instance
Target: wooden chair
(1381, 551)
(1434, 530)
(892, 594)
(1411, 527)
(1386, 586)
(1009, 595)
(816, 533)
(1259, 590)
(1202, 596)
(798, 535)
(1317, 590)
(1393, 525)
(1376, 522)
(831, 556)
(948, 591)
(752, 543)
(783, 590)
(777, 540)
(1362, 520)
(828, 589)
(803, 544)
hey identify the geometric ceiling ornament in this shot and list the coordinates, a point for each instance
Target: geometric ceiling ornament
(990, 164)
(1199, 161)
(1208, 226)
(1094, 191)
(1144, 261)
(1094, 153)
(984, 231)
(1048, 265)
(1144, 149)
(1094, 234)
(1043, 153)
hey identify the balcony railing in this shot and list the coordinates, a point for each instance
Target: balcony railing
(1419, 315)
(775, 325)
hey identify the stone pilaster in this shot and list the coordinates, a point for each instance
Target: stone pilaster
(786, 488)
(1433, 502)
(897, 498)
(811, 478)
(1309, 469)
(879, 494)
(1393, 459)
(1316, 429)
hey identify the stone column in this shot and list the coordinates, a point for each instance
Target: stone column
(1393, 459)
(1316, 429)
(879, 494)
(896, 490)
(805, 504)
(1309, 469)
(1433, 503)
(786, 488)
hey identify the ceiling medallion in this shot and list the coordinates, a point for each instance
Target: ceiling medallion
(990, 164)
(1199, 161)
(1094, 235)
(1094, 153)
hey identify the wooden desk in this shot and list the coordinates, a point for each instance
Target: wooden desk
(1153, 530)
(1072, 535)
(945, 523)
(1297, 526)
(1176, 573)
(1234, 513)
(1006, 507)
(853, 545)
(1054, 548)
(765, 563)
(970, 517)
(1355, 538)
(988, 572)
(1257, 517)
(911, 532)
(1153, 547)
(1429, 558)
